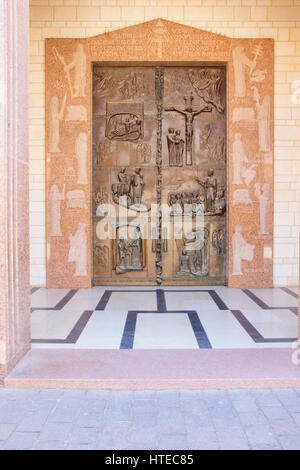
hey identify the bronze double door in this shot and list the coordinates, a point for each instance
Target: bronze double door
(159, 175)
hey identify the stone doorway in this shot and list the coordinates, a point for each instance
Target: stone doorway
(159, 173)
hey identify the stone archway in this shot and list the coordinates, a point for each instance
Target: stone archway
(249, 65)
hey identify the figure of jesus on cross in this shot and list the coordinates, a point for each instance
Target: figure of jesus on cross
(189, 112)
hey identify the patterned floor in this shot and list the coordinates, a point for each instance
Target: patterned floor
(167, 318)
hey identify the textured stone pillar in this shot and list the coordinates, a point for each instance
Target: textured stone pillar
(14, 190)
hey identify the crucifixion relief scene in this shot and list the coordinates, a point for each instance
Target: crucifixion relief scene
(159, 138)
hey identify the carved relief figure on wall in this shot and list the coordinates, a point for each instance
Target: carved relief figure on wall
(76, 199)
(240, 62)
(137, 184)
(124, 120)
(189, 112)
(143, 152)
(101, 257)
(241, 250)
(56, 115)
(129, 190)
(218, 241)
(210, 187)
(196, 241)
(130, 253)
(208, 83)
(175, 147)
(239, 157)
(264, 198)
(79, 65)
(263, 118)
(81, 155)
(55, 215)
(78, 250)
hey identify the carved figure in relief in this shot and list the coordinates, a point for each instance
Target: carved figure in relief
(184, 262)
(189, 112)
(263, 118)
(210, 186)
(196, 241)
(176, 147)
(220, 202)
(124, 120)
(218, 239)
(78, 250)
(130, 254)
(214, 144)
(100, 202)
(76, 113)
(78, 63)
(137, 184)
(240, 62)
(81, 155)
(264, 207)
(56, 115)
(101, 258)
(143, 152)
(239, 158)
(241, 197)
(76, 199)
(208, 83)
(241, 250)
(103, 151)
(56, 198)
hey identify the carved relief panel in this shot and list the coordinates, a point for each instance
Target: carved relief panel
(167, 144)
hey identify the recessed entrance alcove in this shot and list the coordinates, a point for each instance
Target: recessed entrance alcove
(160, 113)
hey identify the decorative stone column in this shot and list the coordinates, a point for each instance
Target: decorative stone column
(14, 187)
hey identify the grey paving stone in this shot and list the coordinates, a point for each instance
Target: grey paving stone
(50, 394)
(102, 394)
(21, 441)
(242, 400)
(49, 445)
(168, 398)
(285, 427)
(144, 395)
(266, 447)
(172, 442)
(12, 413)
(143, 436)
(194, 420)
(6, 430)
(89, 420)
(275, 412)
(65, 412)
(265, 398)
(55, 431)
(33, 422)
(234, 443)
(261, 434)
(290, 442)
(144, 406)
(249, 418)
(83, 436)
(147, 419)
(94, 405)
(203, 439)
(170, 423)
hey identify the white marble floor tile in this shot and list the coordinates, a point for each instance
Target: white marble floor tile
(47, 298)
(224, 331)
(189, 301)
(275, 297)
(85, 299)
(273, 323)
(124, 301)
(164, 331)
(235, 299)
(103, 331)
(53, 324)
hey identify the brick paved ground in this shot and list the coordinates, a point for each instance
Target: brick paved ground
(242, 419)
